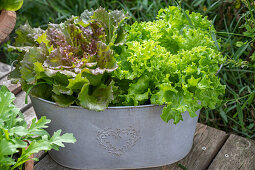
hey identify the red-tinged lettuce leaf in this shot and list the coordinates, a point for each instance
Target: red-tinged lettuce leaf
(77, 83)
(58, 58)
(67, 57)
(105, 58)
(59, 89)
(35, 54)
(86, 16)
(62, 78)
(63, 100)
(52, 76)
(111, 22)
(27, 36)
(95, 79)
(26, 39)
(43, 91)
(51, 72)
(75, 47)
(95, 98)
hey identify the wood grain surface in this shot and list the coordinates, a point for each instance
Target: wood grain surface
(14, 88)
(207, 142)
(238, 153)
(4, 70)
(48, 164)
(20, 101)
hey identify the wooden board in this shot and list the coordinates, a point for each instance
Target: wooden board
(7, 23)
(29, 115)
(238, 153)
(20, 101)
(4, 70)
(40, 155)
(14, 88)
(48, 164)
(207, 142)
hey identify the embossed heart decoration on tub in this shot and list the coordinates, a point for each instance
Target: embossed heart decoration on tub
(118, 141)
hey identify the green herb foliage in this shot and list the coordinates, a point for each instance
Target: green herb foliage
(14, 134)
(172, 60)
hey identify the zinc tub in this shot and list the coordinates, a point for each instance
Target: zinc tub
(119, 137)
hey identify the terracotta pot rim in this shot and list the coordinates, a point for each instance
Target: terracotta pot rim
(29, 165)
(7, 23)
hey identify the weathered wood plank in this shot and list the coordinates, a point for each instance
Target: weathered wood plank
(48, 164)
(207, 142)
(14, 88)
(4, 70)
(40, 155)
(237, 153)
(20, 101)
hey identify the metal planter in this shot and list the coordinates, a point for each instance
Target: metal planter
(119, 137)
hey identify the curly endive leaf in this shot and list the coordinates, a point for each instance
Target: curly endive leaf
(27, 36)
(180, 59)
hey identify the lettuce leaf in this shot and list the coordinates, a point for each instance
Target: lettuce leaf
(110, 21)
(180, 59)
(95, 60)
(70, 63)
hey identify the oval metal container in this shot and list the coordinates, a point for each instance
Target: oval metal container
(119, 137)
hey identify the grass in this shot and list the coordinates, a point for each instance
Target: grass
(40, 12)
(235, 25)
